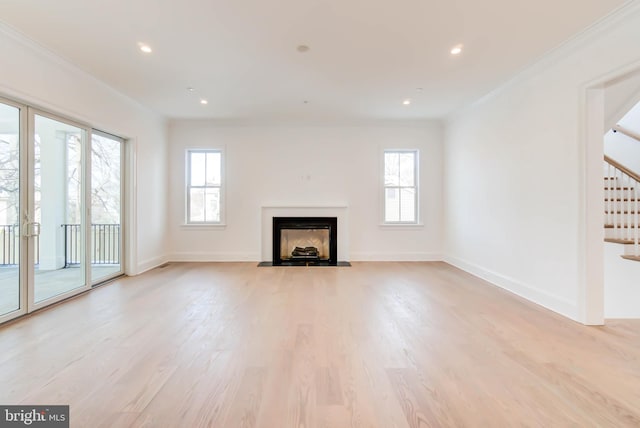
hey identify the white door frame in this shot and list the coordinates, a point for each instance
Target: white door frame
(591, 236)
(22, 268)
(32, 112)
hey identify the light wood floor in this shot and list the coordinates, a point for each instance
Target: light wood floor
(375, 345)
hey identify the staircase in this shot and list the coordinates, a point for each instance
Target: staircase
(622, 208)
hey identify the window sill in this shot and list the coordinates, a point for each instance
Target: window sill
(204, 226)
(401, 225)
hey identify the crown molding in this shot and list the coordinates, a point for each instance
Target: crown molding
(555, 55)
(310, 123)
(48, 55)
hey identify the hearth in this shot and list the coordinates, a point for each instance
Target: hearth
(304, 241)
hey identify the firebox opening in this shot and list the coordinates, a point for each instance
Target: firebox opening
(305, 241)
(304, 244)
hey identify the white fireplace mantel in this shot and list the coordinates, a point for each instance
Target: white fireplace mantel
(280, 210)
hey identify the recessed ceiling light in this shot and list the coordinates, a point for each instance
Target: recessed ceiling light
(302, 48)
(456, 50)
(190, 89)
(419, 89)
(145, 47)
(204, 102)
(406, 102)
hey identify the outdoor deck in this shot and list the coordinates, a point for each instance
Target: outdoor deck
(50, 282)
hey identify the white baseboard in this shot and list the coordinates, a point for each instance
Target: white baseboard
(149, 264)
(255, 257)
(543, 298)
(394, 257)
(214, 257)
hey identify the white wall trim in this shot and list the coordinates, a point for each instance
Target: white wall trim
(395, 257)
(149, 264)
(130, 197)
(593, 32)
(591, 206)
(590, 234)
(69, 66)
(555, 303)
(214, 257)
(255, 257)
(312, 123)
(305, 206)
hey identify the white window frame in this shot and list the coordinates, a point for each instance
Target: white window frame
(188, 187)
(416, 187)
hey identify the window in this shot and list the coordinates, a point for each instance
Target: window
(204, 186)
(401, 186)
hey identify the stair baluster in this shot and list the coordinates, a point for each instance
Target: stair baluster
(622, 206)
(636, 218)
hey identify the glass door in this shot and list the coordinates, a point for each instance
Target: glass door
(12, 294)
(57, 215)
(106, 206)
(61, 187)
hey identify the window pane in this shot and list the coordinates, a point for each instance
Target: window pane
(196, 208)
(408, 205)
(407, 169)
(391, 169)
(105, 180)
(74, 184)
(392, 205)
(205, 186)
(212, 205)
(59, 206)
(9, 208)
(105, 206)
(197, 168)
(213, 169)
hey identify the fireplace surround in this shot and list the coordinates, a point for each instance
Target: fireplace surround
(305, 241)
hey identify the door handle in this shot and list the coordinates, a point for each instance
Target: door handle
(31, 228)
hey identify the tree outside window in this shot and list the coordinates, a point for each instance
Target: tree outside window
(400, 186)
(204, 186)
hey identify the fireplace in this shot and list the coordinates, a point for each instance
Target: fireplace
(305, 241)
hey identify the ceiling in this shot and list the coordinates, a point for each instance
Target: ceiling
(365, 57)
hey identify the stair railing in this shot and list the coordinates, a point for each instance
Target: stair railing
(621, 203)
(624, 131)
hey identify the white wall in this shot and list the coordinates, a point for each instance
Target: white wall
(621, 292)
(32, 75)
(617, 145)
(631, 120)
(298, 165)
(513, 165)
(621, 97)
(623, 149)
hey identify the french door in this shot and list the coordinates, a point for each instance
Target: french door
(50, 249)
(55, 198)
(13, 297)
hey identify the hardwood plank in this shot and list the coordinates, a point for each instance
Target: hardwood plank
(328, 387)
(375, 345)
(248, 399)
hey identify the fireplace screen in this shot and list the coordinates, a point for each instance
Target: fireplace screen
(301, 244)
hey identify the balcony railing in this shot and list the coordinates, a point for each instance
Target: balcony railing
(10, 245)
(105, 244)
